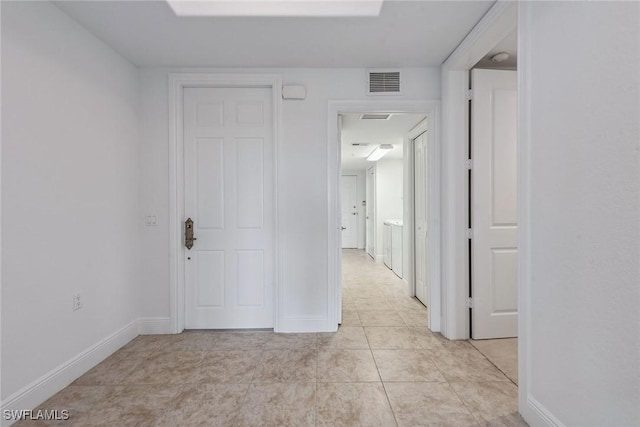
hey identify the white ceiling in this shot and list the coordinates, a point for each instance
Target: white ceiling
(374, 133)
(406, 34)
(509, 45)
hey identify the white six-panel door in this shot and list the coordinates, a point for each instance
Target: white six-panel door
(420, 203)
(493, 209)
(228, 152)
(349, 211)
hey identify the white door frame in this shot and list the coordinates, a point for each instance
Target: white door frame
(429, 108)
(177, 83)
(499, 22)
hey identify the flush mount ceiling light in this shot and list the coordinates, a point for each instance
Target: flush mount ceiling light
(500, 57)
(277, 8)
(379, 152)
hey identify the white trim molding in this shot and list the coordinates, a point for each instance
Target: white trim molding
(177, 83)
(430, 108)
(38, 391)
(498, 22)
(154, 325)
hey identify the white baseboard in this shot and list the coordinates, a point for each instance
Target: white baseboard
(33, 394)
(154, 325)
(535, 414)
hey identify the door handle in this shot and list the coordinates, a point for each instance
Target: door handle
(343, 228)
(188, 233)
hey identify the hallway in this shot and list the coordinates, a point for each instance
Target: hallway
(383, 367)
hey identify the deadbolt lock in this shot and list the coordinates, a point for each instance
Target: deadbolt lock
(188, 233)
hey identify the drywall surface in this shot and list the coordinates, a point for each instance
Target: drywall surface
(70, 219)
(583, 90)
(302, 182)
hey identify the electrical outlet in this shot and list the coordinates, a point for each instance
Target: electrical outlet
(77, 302)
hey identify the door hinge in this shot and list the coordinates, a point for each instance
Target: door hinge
(469, 233)
(470, 302)
(468, 95)
(469, 164)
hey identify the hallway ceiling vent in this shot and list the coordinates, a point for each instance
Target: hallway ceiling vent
(375, 117)
(383, 82)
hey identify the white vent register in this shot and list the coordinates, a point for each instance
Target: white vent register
(383, 82)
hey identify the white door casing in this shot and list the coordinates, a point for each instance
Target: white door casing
(371, 211)
(349, 211)
(493, 210)
(421, 218)
(229, 194)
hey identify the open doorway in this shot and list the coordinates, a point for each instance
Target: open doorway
(380, 239)
(337, 111)
(493, 220)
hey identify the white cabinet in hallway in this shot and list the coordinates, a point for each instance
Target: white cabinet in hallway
(392, 243)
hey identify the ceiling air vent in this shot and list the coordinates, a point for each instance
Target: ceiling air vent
(375, 117)
(384, 82)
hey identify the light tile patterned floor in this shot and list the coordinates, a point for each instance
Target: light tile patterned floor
(382, 368)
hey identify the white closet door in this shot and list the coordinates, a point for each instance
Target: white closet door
(493, 209)
(349, 211)
(229, 273)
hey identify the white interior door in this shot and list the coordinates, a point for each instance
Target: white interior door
(371, 211)
(493, 204)
(349, 211)
(420, 206)
(228, 160)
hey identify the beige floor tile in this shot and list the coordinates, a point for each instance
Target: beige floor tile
(491, 403)
(406, 366)
(380, 318)
(292, 341)
(428, 340)
(387, 337)
(241, 340)
(192, 341)
(176, 367)
(133, 405)
(501, 352)
(353, 404)
(151, 343)
(287, 365)
(205, 404)
(427, 404)
(114, 369)
(341, 365)
(413, 317)
(229, 366)
(278, 404)
(351, 337)
(461, 368)
(350, 318)
(77, 400)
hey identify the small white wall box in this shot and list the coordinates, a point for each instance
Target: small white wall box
(294, 92)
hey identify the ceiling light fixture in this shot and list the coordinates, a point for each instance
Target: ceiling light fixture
(276, 8)
(500, 57)
(379, 152)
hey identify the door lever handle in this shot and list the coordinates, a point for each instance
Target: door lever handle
(188, 234)
(343, 228)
